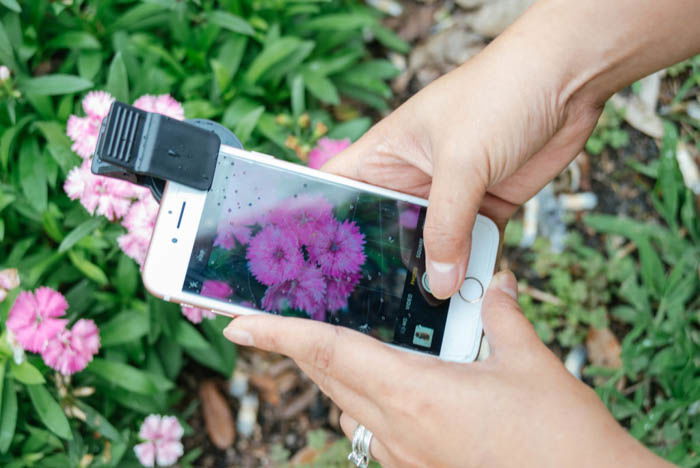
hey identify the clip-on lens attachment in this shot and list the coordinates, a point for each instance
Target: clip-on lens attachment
(149, 149)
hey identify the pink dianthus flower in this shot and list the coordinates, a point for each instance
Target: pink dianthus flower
(139, 222)
(274, 256)
(196, 314)
(302, 215)
(338, 248)
(304, 293)
(70, 351)
(339, 288)
(325, 149)
(162, 104)
(33, 318)
(210, 288)
(161, 446)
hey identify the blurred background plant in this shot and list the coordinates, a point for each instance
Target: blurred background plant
(619, 304)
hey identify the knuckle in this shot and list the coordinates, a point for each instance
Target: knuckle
(324, 350)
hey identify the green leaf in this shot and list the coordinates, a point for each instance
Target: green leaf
(8, 139)
(117, 79)
(51, 85)
(271, 55)
(231, 22)
(7, 55)
(88, 268)
(99, 423)
(352, 129)
(32, 173)
(245, 126)
(297, 95)
(74, 40)
(12, 5)
(652, 270)
(321, 87)
(390, 39)
(186, 335)
(49, 412)
(128, 377)
(339, 22)
(231, 53)
(59, 145)
(8, 418)
(79, 232)
(26, 373)
(125, 327)
(127, 276)
(89, 63)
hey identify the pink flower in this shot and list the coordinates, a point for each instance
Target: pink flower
(32, 318)
(96, 104)
(9, 279)
(302, 215)
(274, 256)
(338, 248)
(227, 237)
(408, 215)
(100, 195)
(83, 131)
(162, 104)
(305, 293)
(139, 222)
(216, 289)
(196, 314)
(161, 446)
(71, 350)
(325, 150)
(4, 73)
(339, 288)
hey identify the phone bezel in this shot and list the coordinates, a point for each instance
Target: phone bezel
(167, 260)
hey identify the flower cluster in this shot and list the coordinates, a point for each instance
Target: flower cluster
(36, 325)
(161, 446)
(308, 259)
(114, 199)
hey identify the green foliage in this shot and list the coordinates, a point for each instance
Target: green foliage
(244, 64)
(608, 132)
(645, 282)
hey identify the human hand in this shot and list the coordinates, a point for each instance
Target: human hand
(519, 407)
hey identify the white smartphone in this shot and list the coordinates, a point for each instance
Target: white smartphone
(272, 236)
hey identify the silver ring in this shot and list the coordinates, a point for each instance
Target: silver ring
(361, 441)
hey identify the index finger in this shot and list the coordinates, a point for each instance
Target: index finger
(360, 362)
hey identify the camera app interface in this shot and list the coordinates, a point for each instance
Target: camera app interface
(290, 244)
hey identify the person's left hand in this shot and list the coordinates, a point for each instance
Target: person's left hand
(519, 407)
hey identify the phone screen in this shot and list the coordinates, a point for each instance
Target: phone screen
(291, 244)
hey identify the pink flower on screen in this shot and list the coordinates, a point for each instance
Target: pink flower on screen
(304, 293)
(230, 234)
(338, 248)
(33, 318)
(216, 289)
(161, 436)
(325, 149)
(196, 314)
(408, 215)
(338, 289)
(139, 222)
(274, 255)
(302, 215)
(162, 104)
(70, 351)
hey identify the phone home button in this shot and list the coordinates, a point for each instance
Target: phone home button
(472, 290)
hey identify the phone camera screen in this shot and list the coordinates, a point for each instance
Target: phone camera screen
(275, 240)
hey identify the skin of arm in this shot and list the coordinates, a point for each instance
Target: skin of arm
(486, 137)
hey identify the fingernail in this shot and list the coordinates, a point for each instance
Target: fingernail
(444, 274)
(238, 335)
(506, 282)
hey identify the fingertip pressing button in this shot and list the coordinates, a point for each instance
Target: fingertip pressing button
(424, 280)
(472, 290)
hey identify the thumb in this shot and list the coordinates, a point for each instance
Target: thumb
(505, 325)
(453, 204)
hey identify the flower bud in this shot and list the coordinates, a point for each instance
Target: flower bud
(4, 73)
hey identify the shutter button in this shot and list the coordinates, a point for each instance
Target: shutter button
(472, 290)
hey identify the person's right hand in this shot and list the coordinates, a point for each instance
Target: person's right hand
(493, 132)
(485, 137)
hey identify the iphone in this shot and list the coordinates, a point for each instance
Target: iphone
(274, 237)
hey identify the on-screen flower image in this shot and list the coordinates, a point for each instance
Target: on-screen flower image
(338, 248)
(161, 444)
(33, 318)
(275, 256)
(70, 351)
(210, 288)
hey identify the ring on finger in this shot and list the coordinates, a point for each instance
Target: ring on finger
(361, 441)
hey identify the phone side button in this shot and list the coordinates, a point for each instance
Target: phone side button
(472, 290)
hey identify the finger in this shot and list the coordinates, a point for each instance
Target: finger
(377, 450)
(345, 397)
(360, 362)
(454, 202)
(505, 325)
